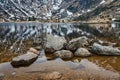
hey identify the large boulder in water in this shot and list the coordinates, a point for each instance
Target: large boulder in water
(77, 43)
(105, 50)
(64, 54)
(82, 52)
(25, 59)
(54, 43)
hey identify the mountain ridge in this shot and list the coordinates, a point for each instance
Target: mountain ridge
(46, 9)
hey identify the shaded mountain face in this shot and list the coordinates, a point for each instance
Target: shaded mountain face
(46, 9)
(109, 10)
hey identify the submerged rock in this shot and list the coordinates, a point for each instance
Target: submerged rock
(24, 60)
(53, 76)
(64, 54)
(1, 76)
(77, 42)
(82, 52)
(105, 50)
(54, 43)
(76, 61)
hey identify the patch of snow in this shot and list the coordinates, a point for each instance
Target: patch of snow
(11, 15)
(69, 13)
(31, 12)
(96, 6)
(83, 11)
(113, 19)
(60, 1)
(112, 0)
(55, 7)
(102, 2)
(49, 14)
(113, 25)
(79, 14)
(62, 10)
(88, 10)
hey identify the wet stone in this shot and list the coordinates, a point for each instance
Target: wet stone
(82, 52)
(64, 54)
(54, 43)
(105, 50)
(77, 43)
(24, 60)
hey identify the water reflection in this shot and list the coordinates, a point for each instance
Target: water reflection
(108, 30)
(23, 31)
(14, 34)
(20, 35)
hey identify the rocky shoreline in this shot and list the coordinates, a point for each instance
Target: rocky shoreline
(64, 49)
(59, 47)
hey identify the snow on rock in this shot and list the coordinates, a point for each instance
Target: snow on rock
(49, 14)
(62, 10)
(55, 7)
(88, 10)
(69, 13)
(46, 8)
(102, 2)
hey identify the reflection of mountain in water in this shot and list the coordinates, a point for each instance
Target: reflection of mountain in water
(14, 31)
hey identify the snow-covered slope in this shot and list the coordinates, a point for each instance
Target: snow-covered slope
(45, 9)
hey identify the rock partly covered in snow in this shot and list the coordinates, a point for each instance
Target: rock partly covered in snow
(105, 50)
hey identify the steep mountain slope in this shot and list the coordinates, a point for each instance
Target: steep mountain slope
(10, 9)
(107, 11)
(45, 9)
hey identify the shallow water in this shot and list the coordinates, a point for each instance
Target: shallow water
(19, 37)
(85, 70)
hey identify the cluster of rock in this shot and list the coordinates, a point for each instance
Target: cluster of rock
(79, 47)
(59, 47)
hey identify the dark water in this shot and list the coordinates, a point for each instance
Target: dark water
(15, 37)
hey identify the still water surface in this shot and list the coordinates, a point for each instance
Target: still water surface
(18, 37)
